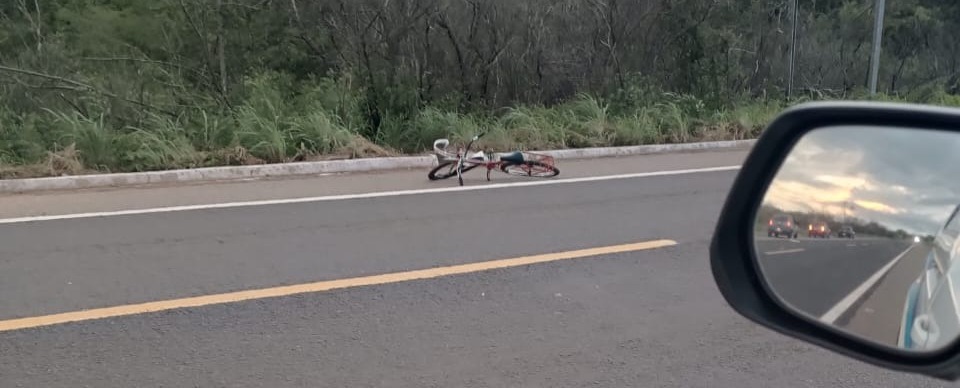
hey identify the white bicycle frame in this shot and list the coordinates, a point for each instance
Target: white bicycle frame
(440, 149)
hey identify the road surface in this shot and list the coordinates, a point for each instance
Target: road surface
(879, 314)
(618, 315)
(859, 285)
(814, 275)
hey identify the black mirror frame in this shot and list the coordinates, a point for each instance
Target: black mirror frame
(732, 260)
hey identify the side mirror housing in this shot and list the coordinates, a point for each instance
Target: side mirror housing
(886, 170)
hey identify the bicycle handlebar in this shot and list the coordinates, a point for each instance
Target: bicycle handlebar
(475, 138)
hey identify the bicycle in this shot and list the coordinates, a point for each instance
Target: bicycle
(516, 163)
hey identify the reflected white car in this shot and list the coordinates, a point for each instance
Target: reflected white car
(930, 315)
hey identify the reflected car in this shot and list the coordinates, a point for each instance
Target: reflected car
(782, 225)
(818, 229)
(930, 318)
(846, 231)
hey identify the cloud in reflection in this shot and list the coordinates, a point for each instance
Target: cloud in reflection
(878, 207)
(901, 178)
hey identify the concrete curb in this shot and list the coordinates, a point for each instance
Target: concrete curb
(313, 168)
(589, 153)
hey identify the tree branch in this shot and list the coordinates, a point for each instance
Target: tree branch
(303, 30)
(80, 87)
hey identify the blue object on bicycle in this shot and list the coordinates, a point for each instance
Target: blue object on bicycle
(513, 157)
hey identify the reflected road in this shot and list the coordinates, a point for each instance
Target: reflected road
(814, 275)
(858, 284)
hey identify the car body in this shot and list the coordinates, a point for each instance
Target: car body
(781, 225)
(847, 231)
(818, 229)
(930, 313)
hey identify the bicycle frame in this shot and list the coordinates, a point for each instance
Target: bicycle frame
(465, 162)
(463, 159)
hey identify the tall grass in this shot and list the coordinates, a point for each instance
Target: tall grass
(279, 120)
(21, 141)
(275, 126)
(161, 143)
(99, 146)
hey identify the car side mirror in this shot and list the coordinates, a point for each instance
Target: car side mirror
(885, 173)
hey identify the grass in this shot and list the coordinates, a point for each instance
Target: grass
(324, 119)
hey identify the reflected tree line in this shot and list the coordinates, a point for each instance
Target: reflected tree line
(860, 226)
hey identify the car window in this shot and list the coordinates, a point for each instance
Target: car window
(946, 240)
(943, 307)
(953, 223)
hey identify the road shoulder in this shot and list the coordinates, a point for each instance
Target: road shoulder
(130, 198)
(878, 315)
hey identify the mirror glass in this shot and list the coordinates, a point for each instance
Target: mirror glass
(859, 230)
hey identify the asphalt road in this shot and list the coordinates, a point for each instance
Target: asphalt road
(651, 319)
(879, 314)
(813, 275)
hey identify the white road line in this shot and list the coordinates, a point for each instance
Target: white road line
(784, 252)
(170, 209)
(851, 245)
(855, 295)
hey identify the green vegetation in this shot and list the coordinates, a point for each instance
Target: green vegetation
(123, 85)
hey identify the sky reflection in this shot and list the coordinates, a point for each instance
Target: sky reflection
(901, 178)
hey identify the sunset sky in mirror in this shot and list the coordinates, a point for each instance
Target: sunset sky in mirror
(902, 178)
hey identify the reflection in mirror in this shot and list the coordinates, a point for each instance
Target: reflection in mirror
(859, 230)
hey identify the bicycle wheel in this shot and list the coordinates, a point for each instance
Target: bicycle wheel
(531, 169)
(438, 172)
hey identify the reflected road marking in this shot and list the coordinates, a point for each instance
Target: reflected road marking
(848, 301)
(785, 252)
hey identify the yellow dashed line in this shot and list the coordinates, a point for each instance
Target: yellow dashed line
(239, 296)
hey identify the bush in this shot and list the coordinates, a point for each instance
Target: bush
(99, 146)
(21, 141)
(278, 120)
(162, 143)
